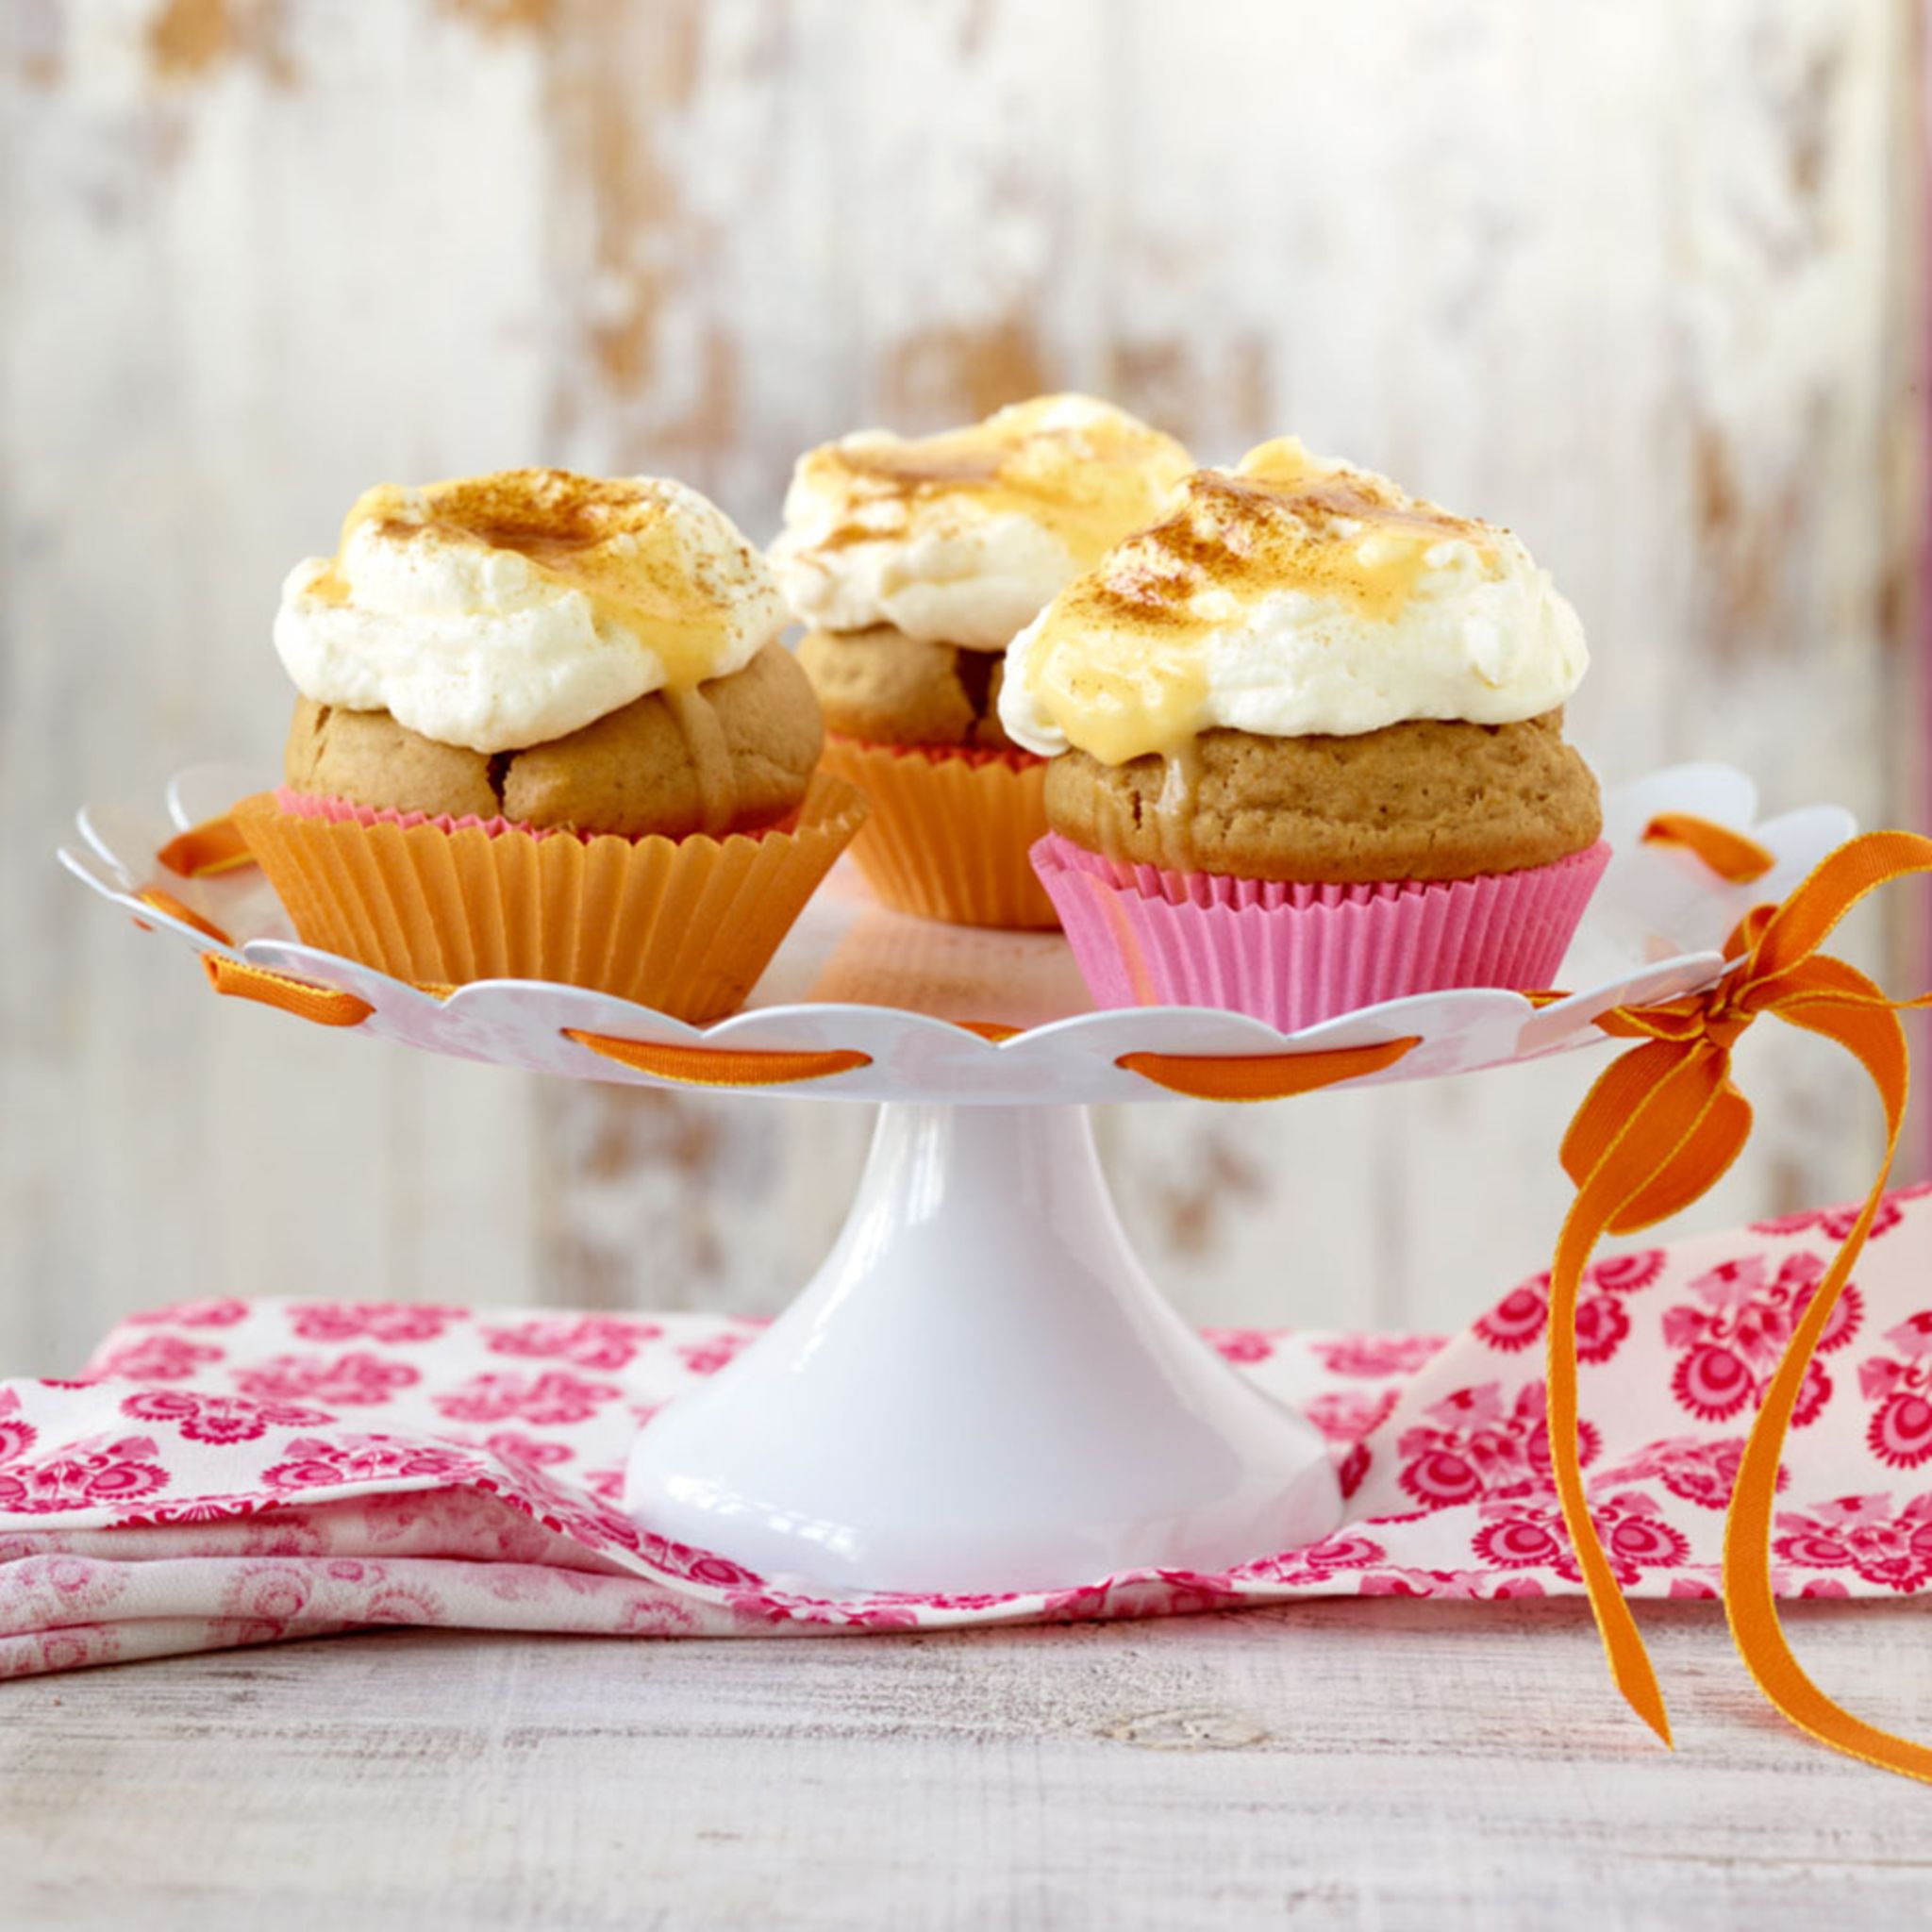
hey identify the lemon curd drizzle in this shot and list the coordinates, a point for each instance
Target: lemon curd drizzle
(1119, 661)
(616, 542)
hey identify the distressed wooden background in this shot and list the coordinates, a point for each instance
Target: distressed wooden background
(1641, 280)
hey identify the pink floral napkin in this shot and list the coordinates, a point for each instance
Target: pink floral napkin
(230, 1473)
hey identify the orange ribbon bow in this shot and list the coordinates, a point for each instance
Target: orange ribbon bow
(1661, 1126)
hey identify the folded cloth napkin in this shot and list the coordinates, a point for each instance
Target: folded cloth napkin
(230, 1473)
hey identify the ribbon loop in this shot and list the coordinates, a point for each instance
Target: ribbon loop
(1263, 1076)
(214, 847)
(1727, 853)
(159, 900)
(325, 1005)
(719, 1066)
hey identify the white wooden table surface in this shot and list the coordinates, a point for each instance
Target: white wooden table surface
(1383, 1764)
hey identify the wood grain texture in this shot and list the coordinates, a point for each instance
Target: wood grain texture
(1639, 280)
(1387, 1765)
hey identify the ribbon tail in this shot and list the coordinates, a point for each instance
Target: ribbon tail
(1878, 1041)
(1659, 1126)
(1750, 1598)
(1623, 1647)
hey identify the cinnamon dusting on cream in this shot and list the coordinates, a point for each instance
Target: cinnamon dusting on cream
(1283, 520)
(959, 538)
(1290, 597)
(1087, 478)
(498, 613)
(617, 540)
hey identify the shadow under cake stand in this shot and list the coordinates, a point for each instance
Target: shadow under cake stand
(981, 1390)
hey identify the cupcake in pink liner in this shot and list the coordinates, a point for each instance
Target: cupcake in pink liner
(1308, 751)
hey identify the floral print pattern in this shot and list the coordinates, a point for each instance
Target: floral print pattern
(354, 1381)
(1532, 1536)
(230, 1473)
(1882, 1544)
(391, 1322)
(1900, 1383)
(1731, 1337)
(1523, 1315)
(88, 1474)
(1479, 1444)
(588, 1342)
(218, 1418)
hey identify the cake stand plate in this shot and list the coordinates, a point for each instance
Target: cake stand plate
(981, 1390)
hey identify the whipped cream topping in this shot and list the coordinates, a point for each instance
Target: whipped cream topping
(502, 611)
(1291, 597)
(960, 539)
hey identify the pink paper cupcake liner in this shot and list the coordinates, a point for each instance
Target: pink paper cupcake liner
(1294, 954)
(340, 811)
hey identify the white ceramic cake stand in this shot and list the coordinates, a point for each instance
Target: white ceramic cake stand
(980, 1390)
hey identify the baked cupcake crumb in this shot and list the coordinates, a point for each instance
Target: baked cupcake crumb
(734, 755)
(1426, 799)
(888, 689)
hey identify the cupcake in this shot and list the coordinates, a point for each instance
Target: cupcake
(913, 563)
(545, 730)
(1308, 750)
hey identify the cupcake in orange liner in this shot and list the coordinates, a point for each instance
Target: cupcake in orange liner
(546, 731)
(1307, 751)
(913, 562)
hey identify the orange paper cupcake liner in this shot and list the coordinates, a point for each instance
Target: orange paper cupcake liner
(685, 925)
(950, 830)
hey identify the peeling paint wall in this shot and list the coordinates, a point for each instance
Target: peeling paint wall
(1641, 280)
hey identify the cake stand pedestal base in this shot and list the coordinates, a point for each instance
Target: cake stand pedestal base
(980, 1392)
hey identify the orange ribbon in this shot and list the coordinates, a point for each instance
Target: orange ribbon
(1263, 1076)
(1728, 854)
(166, 902)
(720, 1066)
(1205, 1076)
(325, 1005)
(1659, 1129)
(215, 845)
